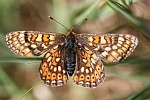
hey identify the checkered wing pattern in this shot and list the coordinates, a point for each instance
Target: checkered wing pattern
(52, 69)
(32, 43)
(109, 47)
(90, 71)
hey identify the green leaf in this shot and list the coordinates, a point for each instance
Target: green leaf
(142, 95)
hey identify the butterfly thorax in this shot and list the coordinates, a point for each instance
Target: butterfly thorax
(70, 53)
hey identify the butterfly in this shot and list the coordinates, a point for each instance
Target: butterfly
(77, 55)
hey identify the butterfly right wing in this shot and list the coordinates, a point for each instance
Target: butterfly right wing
(89, 71)
(52, 69)
(110, 47)
(32, 43)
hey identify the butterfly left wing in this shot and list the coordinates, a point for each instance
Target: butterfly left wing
(32, 43)
(52, 69)
(89, 70)
(109, 47)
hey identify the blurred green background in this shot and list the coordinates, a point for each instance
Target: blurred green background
(126, 80)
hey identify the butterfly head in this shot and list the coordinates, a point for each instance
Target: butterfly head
(71, 32)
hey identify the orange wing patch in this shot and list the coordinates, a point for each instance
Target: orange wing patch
(32, 43)
(52, 69)
(110, 47)
(90, 71)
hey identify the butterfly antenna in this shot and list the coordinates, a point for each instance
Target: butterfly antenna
(80, 23)
(58, 22)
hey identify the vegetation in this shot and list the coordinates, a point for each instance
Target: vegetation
(129, 80)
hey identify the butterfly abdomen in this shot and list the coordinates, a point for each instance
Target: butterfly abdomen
(70, 61)
(70, 55)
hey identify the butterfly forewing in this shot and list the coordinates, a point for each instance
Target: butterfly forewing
(90, 71)
(52, 69)
(110, 47)
(32, 43)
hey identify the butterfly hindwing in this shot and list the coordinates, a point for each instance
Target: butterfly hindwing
(32, 43)
(90, 71)
(52, 69)
(110, 47)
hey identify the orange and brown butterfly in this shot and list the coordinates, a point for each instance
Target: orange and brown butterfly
(71, 53)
